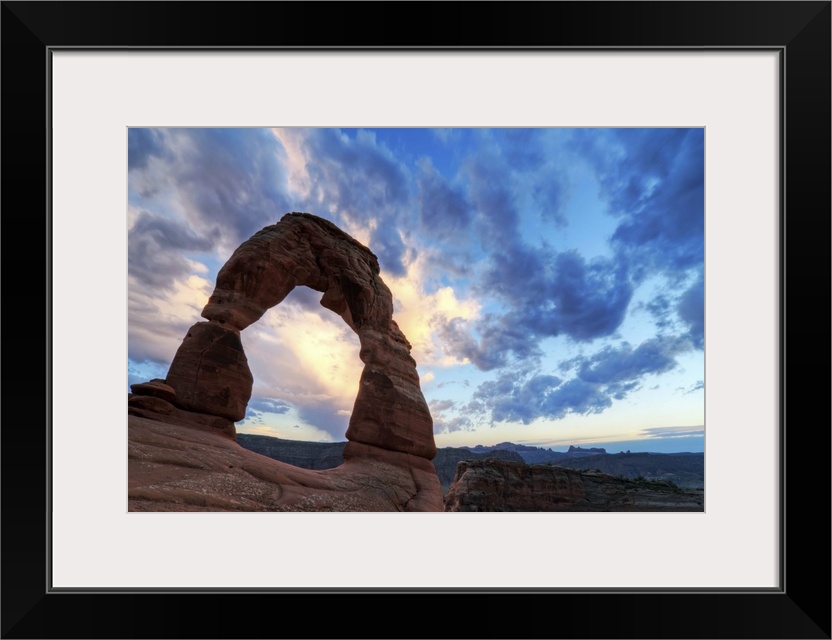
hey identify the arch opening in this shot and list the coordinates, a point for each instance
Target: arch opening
(306, 366)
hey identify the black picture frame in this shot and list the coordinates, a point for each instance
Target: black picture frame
(799, 608)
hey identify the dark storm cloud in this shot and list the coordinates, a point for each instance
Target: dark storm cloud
(512, 398)
(589, 298)
(617, 365)
(654, 180)
(547, 294)
(576, 396)
(660, 307)
(691, 310)
(443, 210)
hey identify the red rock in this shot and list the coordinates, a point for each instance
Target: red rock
(157, 409)
(210, 372)
(156, 388)
(503, 485)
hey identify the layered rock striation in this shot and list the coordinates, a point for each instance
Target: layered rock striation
(209, 383)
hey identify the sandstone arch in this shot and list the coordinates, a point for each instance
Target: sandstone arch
(209, 379)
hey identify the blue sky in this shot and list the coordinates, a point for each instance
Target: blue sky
(551, 281)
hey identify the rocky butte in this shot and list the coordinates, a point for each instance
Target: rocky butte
(505, 485)
(182, 453)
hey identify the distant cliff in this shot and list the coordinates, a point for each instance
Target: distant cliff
(687, 470)
(499, 485)
(307, 455)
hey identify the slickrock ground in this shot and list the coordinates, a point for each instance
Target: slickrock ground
(187, 468)
(183, 455)
(501, 485)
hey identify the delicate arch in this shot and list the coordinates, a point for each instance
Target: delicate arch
(210, 373)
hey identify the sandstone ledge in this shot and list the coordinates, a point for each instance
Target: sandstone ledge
(181, 468)
(502, 485)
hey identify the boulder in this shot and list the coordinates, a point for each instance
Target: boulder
(156, 388)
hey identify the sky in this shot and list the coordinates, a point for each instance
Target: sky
(551, 281)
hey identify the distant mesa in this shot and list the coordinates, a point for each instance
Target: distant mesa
(387, 459)
(574, 449)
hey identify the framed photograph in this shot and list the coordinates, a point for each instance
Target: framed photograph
(752, 80)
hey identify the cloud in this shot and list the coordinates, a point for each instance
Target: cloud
(576, 396)
(441, 405)
(511, 398)
(156, 247)
(589, 298)
(691, 310)
(422, 314)
(442, 422)
(654, 180)
(268, 405)
(674, 432)
(660, 307)
(160, 318)
(142, 145)
(227, 183)
(696, 386)
(444, 212)
(496, 215)
(357, 183)
(546, 294)
(609, 374)
(616, 365)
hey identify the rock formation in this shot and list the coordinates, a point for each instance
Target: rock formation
(501, 485)
(209, 383)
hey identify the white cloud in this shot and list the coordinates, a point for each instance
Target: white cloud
(304, 358)
(158, 320)
(419, 313)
